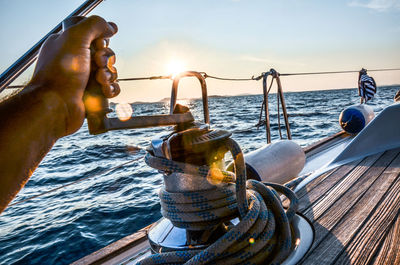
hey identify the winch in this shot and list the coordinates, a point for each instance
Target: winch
(200, 152)
(214, 215)
(196, 146)
(210, 214)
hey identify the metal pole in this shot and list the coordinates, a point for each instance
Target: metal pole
(267, 122)
(280, 91)
(278, 115)
(174, 92)
(30, 56)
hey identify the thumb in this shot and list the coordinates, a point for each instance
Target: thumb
(95, 27)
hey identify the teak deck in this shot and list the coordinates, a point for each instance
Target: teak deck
(354, 210)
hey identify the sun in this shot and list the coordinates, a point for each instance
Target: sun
(175, 67)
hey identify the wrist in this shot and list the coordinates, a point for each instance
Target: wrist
(51, 107)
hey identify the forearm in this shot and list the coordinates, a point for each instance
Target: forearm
(31, 123)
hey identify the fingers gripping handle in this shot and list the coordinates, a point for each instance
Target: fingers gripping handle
(96, 104)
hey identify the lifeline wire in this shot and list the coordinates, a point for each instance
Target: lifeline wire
(145, 78)
(228, 79)
(76, 181)
(253, 78)
(256, 78)
(339, 72)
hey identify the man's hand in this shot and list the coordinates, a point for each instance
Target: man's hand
(64, 66)
(51, 105)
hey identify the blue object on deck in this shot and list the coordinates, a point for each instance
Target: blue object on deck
(352, 120)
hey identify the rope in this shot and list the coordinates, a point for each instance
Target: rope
(253, 78)
(145, 78)
(228, 79)
(263, 233)
(74, 182)
(338, 72)
(258, 77)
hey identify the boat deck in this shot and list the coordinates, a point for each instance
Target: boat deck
(354, 209)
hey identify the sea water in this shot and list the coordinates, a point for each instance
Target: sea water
(70, 223)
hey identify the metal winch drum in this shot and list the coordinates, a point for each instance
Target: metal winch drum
(196, 145)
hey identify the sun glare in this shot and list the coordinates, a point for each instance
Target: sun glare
(175, 67)
(124, 111)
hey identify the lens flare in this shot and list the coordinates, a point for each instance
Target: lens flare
(93, 104)
(124, 111)
(175, 67)
(215, 176)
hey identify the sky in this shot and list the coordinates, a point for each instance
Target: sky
(227, 38)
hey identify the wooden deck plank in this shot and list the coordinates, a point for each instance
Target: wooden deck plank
(314, 190)
(328, 198)
(365, 244)
(347, 212)
(115, 249)
(345, 204)
(315, 182)
(323, 144)
(324, 195)
(389, 250)
(304, 202)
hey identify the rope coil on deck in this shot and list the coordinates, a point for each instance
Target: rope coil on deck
(263, 234)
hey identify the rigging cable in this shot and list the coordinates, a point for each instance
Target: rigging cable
(260, 121)
(279, 116)
(253, 78)
(145, 78)
(339, 72)
(228, 79)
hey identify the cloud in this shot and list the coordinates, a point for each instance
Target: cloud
(378, 5)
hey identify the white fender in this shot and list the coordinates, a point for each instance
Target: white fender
(278, 162)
